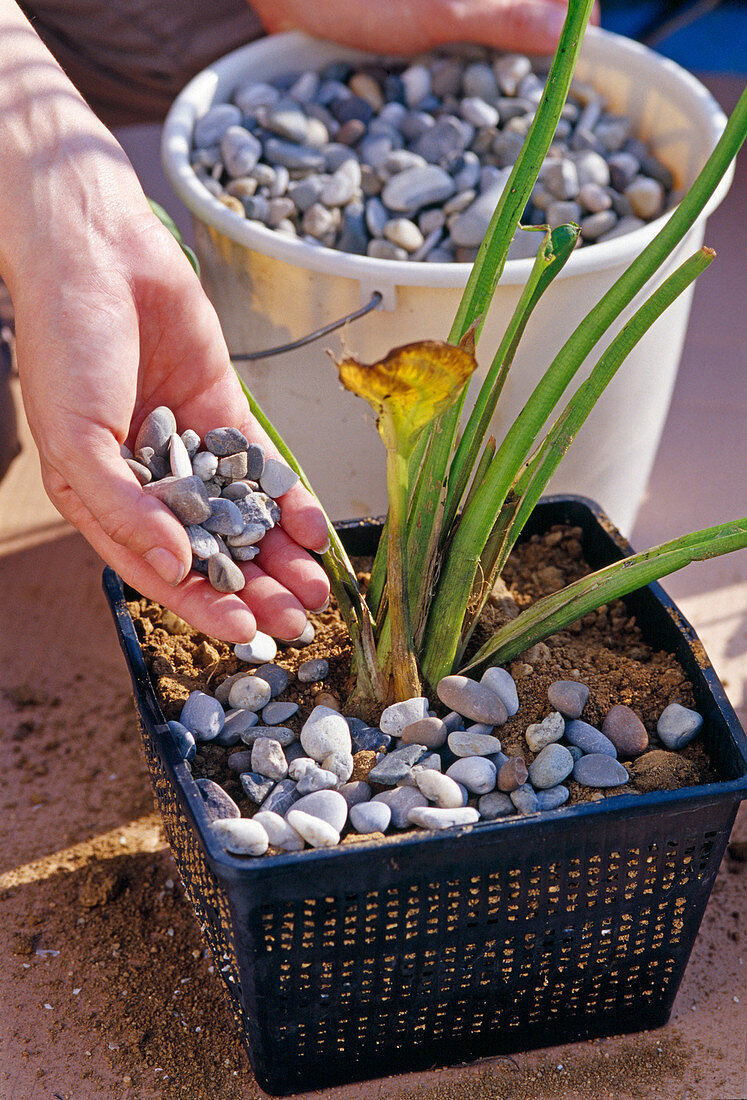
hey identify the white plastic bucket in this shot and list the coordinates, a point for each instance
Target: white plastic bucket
(269, 289)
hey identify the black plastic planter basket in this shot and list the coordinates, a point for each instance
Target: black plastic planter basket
(375, 958)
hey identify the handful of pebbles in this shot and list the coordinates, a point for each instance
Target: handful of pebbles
(406, 160)
(223, 489)
(336, 774)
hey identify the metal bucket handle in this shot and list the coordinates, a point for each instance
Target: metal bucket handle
(372, 303)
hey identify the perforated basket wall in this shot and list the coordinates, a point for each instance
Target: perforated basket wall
(376, 958)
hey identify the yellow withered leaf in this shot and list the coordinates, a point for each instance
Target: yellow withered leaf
(412, 384)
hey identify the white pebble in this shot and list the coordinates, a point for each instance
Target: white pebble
(476, 773)
(249, 692)
(441, 789)
(242, 835)
(325, 731)
(279, 832)
(431, 817)
(329, 806)
(317, 833)
(370, 817)
(399, 715)
(261, 648)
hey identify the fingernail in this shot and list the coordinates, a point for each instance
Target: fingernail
(323, 549)
(324, 607)
(166, 564)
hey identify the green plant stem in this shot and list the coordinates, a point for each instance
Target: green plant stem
(484, 276)
(457, 576)
(532, 479)
(404, 666)
(559, 610)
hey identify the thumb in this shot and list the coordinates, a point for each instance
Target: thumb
(131, 518)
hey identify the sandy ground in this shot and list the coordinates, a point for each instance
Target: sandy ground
(82, 857)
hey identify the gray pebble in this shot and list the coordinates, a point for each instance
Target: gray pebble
(256, 786)
(141, 472)
(280, 833)
(242, 836)
(183, 739)
(550, 767)
(281, 797)
(224, 574)
(294, 751)
(569, 697)
(678, 726)
(212, 126)
(325, 731)
(501, 682)
(370, 817)
(203, 716)
(599, 770)
(597, 225)
(239, 762)
(471, 699)
(476, 773)
(294, 156)
(236, 725)
(525, 800)
(553, 797)
(588, 738)
(202, 542)
(395, 765)
(239, 490)
(396, 717)
(469, 227)
(328, 806)
(284, 735)
(385, 250)
(225, 517)
(250, 536)
(277, 478)
(625, 730)
(186, 497)
(495, 804)
(218, 805)
(312, 671)
(414, 188)
(240, 151)
(233, 466)
(355, 792)
(255, 459)
(225, 441)
(244, 553)
(315, 778)
(400, 801)
(277, 712)
(469, 743)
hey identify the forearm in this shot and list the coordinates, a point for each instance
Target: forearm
(62, 173)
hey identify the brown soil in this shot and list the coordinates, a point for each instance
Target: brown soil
(94, 924)
(605, 650)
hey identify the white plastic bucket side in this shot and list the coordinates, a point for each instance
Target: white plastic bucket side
(268, 290)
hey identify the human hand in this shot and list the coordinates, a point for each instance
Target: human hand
(406, 27)
(111, 321)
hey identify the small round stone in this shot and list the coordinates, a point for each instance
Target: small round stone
(216, 803)
(553, 764)
(430, 732)
(398, 716)
(191, 441)
(249, 692)
(280, 833)
(400, 801)
(281, 797)
(469, 743)
(276, 676)
(141, 472)
(315, 831)
(203, 716)
(403, 233)
(186, 497)
(438, 788)
(646, 196)
(496, 804)
(568, 697)
(225, 441)
(512, 774)
(394, 766)
(212, 126)
(315, 778)
(156, 431)
(256, 786)
(370, 817)
(587, 738)
(224, 574)
(625, 730)
(325, 731)
(262, 648)
(242, 835)
(472, 700)
(284, 735)
(268, 758)
(237, 724)
(677, 726)
(179, 460)
(502, 683)
(205, 465)
(475, 773)
(547, 731)
(225, 518)
(277, 478)
(328, 806)
(280, 711)
(340, 764)
(525, 799)
(599, 770)
(183, 739)
(553, 797)
(408, 191)
(433, 817)
(311, 672)
(202, 542)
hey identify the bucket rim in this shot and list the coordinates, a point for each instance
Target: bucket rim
(599, 46)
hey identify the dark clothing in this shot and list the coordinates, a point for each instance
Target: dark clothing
(129, 58)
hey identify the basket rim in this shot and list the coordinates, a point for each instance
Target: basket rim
(234, 867)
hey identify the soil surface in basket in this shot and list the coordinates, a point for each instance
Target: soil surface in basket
(605, 650)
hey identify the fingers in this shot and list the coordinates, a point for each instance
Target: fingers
(281, 558)
(527, 26)
(276, 610)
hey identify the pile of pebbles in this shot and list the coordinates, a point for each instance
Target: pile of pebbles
(413, 769)
(406, 161)
(223, 489)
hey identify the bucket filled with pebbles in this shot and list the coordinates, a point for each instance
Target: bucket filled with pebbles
(318, 175)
